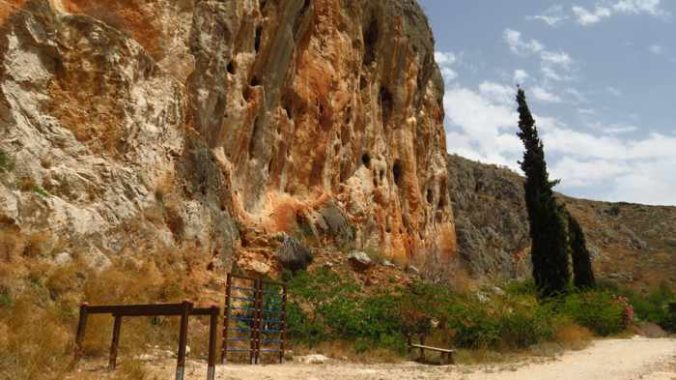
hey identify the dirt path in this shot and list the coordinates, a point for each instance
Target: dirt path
(611, 359)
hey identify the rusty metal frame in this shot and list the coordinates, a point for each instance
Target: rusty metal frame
(184, 310)
(258, 318)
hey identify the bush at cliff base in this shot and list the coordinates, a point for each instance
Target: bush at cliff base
(658, 306)
(326, 307)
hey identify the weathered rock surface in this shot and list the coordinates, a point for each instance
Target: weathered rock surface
(219, 124)
(293, 255)
(631, 244)
(491, 219)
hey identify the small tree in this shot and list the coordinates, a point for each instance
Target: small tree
(583, 274)
(547, 226)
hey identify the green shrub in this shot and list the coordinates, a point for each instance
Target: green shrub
(654, 307)
(5, 299)
(301, 327)
(474, 327)
(6, 163)
(598, 311)
(327, 307)
(523, 327)
(520, 288)
(40, 191)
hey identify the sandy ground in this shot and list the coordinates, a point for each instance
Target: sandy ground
(610, 359)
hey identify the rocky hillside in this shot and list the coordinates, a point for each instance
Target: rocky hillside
(632, 244)
(230, 127)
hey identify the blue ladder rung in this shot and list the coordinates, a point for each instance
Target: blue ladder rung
(241, 288)
(239, 339)
(238, 350)
(270, 350)
(242, 298)
(242, 318)
(242, 308)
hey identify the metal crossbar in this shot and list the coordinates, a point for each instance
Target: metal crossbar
(267, 306)
(184, 310)
(243, 288)
(242, 298)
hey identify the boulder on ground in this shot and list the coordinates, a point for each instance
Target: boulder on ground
(313, 359)
(360, 260)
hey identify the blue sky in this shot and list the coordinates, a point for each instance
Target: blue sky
(600, 76)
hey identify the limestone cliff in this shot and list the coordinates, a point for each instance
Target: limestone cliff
(223, 125)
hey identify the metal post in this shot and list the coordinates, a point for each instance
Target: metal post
(182, 339)
(213, 326)
(260, 321)
(252, 332)
(282, 335)
(114, 344)
(79, 336)
(256, 328)
(226, 320)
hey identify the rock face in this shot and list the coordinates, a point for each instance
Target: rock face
(631, 244)
(220, 124)
(491, 218)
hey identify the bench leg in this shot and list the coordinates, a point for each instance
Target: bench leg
(422, 350)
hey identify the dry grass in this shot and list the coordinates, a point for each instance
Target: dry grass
(483, 356)
(572, 336)
(39, 303)
(11, 245)
(37, 340)
(441, 270)
(132, 370)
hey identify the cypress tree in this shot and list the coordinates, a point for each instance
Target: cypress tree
(547, 225)
(583, 274)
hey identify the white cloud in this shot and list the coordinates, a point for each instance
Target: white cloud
(554, 16)
(482, 126)
(446, 61)
(575, 96)
(520, 76)
(544, 96)
(648, 182)
(613, 129)
(614, 91)
(518, 45)
(656, 49)
(605, 10)
(651, 7)
(497, 93)
(550, 74)
(586, 173)
(589, 17)
(555, 65)
(609, 161)
(556, 58)
(445, 58)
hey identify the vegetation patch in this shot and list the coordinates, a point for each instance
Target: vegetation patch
(325, 307)
(6, 162)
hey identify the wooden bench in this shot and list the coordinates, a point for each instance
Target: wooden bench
(446, 354)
